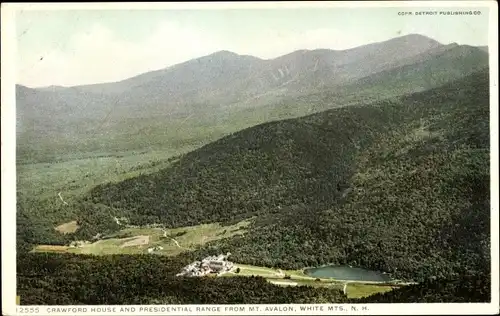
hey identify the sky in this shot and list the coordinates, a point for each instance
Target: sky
(74, 47)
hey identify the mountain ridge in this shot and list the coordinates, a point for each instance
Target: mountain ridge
(208, 90)
(234, 54)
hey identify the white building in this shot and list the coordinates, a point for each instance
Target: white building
(211, 264)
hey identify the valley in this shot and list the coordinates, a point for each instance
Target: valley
(123, 242)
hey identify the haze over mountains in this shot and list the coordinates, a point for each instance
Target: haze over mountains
(207, 89)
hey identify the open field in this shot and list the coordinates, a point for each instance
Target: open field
(249, 270)
(51, 248)
(174, 241)
(355, 289)
(136, 241)
(177, 240)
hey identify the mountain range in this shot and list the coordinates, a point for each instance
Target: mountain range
(375, 157)
(209, 91)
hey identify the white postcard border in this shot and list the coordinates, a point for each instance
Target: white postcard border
(8, 167)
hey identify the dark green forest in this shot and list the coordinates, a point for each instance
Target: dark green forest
(467, 289)
(400, 186)
(66, 279)
(37, 218)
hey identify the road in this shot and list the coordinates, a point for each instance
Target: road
(62, 199)
(177, 243)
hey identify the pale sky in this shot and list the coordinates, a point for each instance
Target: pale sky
(81, 47)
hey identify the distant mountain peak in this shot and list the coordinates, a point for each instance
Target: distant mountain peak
(416, 38)
(224, 53)
(227, 55)
(415, 35)
(53, 88)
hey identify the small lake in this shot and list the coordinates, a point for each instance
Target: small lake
(347, 273)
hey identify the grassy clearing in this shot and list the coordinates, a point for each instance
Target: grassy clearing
(298, 278)
(174, 241)
(68, 228)
(141, 240)
(295, 275)
(50, 248)
(110, 246)
(358, 290)
(193, 236)
(188, 238)
(248, 270)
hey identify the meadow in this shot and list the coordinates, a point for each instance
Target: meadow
(172, 241)
(188, 239)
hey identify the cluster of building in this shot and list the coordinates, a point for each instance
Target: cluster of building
(211, 264)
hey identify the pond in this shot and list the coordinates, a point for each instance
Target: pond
(347, 273)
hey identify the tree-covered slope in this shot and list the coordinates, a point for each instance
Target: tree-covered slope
(252, 172)
(400, 186)
(416, 206)
(61, 279)
(468, 289)
(64, 279)
(447, 63)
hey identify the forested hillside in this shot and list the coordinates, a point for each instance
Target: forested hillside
(64, 279)
(467, 289)
(399, 186)
(55, 279)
